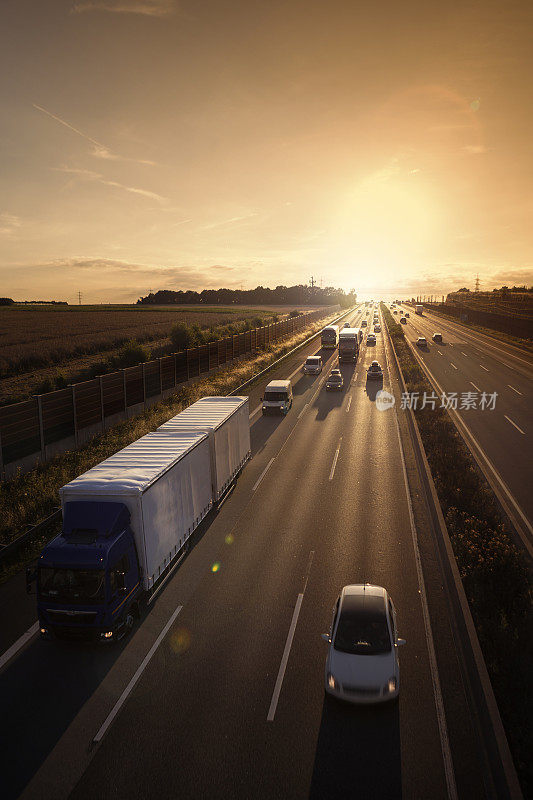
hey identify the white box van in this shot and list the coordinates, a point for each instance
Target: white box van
(277, 398)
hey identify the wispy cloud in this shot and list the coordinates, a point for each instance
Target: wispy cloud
(229, 221)
(98, 150)
(9, 224)
(149, 8)
(90, 175)
(475, 149)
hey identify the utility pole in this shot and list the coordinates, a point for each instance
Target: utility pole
(79, 298)
(476, 286)
(312, 282)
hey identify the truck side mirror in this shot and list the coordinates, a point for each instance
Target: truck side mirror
(31, 576)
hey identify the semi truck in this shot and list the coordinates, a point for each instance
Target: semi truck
(348, 345)
(329, 338)
(419, 309)
(127, 522)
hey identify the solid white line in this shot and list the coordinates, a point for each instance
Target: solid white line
(144, 663)
(302, 412)
(349, 403)
(464, 354)
(514, 423)
(514, 390)
(475, 387)
(332, 473)
(439, 352)
(439, 703)
(453, 365)
(258, 481)
(284, 659)
(482, 367)
(13, 650)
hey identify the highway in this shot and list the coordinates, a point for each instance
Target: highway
(220, 690)
(468, 361)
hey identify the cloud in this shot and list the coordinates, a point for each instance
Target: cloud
(9, 224)
(512, 277)
(149, 8)
(229, 221)
(90, 175)
(475, 149)
(98, 150)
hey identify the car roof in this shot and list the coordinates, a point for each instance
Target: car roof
(364, 599)
(335, 372)
(279, 385)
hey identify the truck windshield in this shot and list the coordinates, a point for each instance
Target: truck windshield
(72, 585)
(272, 397)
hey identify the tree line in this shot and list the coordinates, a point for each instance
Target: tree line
(282, 295)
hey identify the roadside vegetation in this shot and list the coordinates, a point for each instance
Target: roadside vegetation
(494, 571)
(79, 357)
(33, 496)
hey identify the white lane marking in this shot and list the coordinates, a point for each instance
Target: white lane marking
(439, 703)
(284, 659)
(453, 365)
(482, 367)
(475, 387)
(13, 650)
(302, 412)
(144, 663)
(464, 354)
(514, 390)
(439, 352)
(332, 473)
(514, 423)
(258, 481)
(288, 644)
(349, 403)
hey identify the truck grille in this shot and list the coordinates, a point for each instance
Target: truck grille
(65, 618)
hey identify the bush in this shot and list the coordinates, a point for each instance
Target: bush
(130, 355)
(6, 301)
(294, 313)
(181, 336)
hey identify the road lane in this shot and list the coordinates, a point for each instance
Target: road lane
(196, 722)
(505, 443)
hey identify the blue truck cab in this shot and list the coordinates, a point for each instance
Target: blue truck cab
(88, 578)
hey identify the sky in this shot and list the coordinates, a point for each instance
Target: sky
(172, 144)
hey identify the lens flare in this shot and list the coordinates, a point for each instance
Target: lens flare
(180, 641)
(229, 538)
(215, 567)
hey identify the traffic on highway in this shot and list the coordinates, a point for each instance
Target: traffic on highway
(307, 520)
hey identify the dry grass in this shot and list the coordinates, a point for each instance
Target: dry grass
(52, 335)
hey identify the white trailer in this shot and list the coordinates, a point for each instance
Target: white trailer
(226, 421)
(419, 309)
(165, 483)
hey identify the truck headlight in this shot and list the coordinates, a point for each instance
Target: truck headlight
(107, 635)
(43, 631)
(391, 686)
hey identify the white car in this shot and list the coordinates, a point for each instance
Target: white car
(313, 365)
(422, 341)
(362, 664)
(377, 328)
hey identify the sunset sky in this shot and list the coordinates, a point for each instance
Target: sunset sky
(150, 144)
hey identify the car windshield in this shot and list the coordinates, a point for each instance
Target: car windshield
(335, 378)
(362, 634)
(72, 585)
(375, 367)
(272, 397)
(312, 362)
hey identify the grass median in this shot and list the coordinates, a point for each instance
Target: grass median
(32, 496)
(493, 569)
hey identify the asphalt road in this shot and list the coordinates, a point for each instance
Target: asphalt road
(470, 362)
(323, 503)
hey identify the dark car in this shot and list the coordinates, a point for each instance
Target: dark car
(334, 382)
